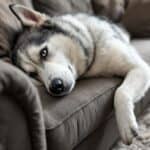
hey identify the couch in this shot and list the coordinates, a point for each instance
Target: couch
(83, 120)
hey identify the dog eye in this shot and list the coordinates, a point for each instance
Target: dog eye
(44, 53)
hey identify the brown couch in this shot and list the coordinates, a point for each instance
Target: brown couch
(84, 120)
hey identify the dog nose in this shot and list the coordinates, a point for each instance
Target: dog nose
(57, 86)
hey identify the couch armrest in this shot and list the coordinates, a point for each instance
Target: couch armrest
(14, 131)
(15, 83)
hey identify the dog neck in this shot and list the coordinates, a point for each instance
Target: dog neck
(90, 64)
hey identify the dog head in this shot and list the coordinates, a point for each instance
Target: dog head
(51, 49)
(114, 9)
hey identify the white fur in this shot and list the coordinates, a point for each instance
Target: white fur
(52, 70)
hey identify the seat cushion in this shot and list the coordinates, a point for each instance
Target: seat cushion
(137, 18)
(72, 118)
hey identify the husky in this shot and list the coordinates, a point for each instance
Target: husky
(59, 50)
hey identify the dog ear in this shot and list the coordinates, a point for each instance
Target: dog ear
(26, 16)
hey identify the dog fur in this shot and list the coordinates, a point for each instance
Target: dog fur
(83, 46)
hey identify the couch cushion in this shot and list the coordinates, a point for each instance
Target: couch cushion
(137, 18)
(72, 118)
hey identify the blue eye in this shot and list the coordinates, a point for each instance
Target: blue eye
(44, 53)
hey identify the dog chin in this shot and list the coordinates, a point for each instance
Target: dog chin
(61, 94)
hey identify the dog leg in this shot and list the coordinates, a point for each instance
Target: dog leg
(133, 89)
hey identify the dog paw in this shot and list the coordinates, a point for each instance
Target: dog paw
(128, 127)
(128, 132)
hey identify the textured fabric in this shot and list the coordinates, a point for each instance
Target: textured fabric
(102, 138)
(16, 84)
(59, 7)
(9, 25)
(14, 132)
(107, 134)
(113, 9)
(137, 18)
(69, 120)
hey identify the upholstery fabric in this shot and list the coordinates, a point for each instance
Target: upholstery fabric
(9, 26)
(71, 119)
(14, 131)
(59, 7)
(137, 18)
(107, 134)
(16, 84)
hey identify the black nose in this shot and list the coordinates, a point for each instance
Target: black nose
(57, 86)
